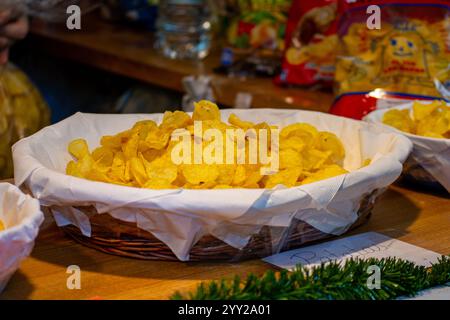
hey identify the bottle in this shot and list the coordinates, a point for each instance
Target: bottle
(184, 28)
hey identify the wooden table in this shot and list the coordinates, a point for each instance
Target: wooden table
(417, 218)
(129, 52)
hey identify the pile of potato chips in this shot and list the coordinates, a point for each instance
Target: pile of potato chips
(429, 120)
(141, 156)
(2, 226)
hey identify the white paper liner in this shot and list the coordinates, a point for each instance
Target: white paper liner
(22, 217)
(180, 218)
(432, 154)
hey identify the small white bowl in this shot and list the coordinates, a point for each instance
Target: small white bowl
(21, 216)
(429, 154)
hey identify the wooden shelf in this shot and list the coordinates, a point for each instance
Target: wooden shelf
(129, 52)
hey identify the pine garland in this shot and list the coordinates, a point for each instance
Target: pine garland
(331, 281)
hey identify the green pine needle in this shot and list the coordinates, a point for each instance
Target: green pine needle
(331, 281)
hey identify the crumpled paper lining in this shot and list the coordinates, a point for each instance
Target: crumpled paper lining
(180, 218)
(22, 217)
(432, 154)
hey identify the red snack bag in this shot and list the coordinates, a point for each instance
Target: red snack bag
(311, 43)
(408, 57)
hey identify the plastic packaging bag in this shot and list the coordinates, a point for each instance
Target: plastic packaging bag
(311, 42)
(255, 37)
(407, 58)
(23, 111)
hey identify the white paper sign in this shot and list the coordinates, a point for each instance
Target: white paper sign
(365, 245)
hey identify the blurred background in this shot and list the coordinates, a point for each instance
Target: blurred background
(145, 55)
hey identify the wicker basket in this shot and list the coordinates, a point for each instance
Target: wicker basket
(258, 222)
(126, 239)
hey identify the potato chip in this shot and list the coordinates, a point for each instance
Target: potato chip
(287, 177)
(115, 142)
(2, 226)
(151, 154)
(239, 176)
(290, 158)
(97, 175)
(298, 129)
(196, 174)
(130, 148)
(127, 173)
(175, 120)
(138, 170)
(306, 132)
(202, 185)
(85, 164)
(78, 148)
(366, 162)
(103, 156)
(431, 134)
(215, 124)
(327, 141)
(117, 170)
(180, 181)
(399, 119)
(253, 176)
(313, 159)
(235, 121)
(159, 185)
(205, 110)
(223, 186)
(434, 124)
(143, 127)
(161, 170)
(71, 169)
(226, 174)
(295, 143)
(421, 111)
(267, 130)
(325, 173)
(157, 139)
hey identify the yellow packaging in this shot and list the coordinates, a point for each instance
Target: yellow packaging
(23, 111)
